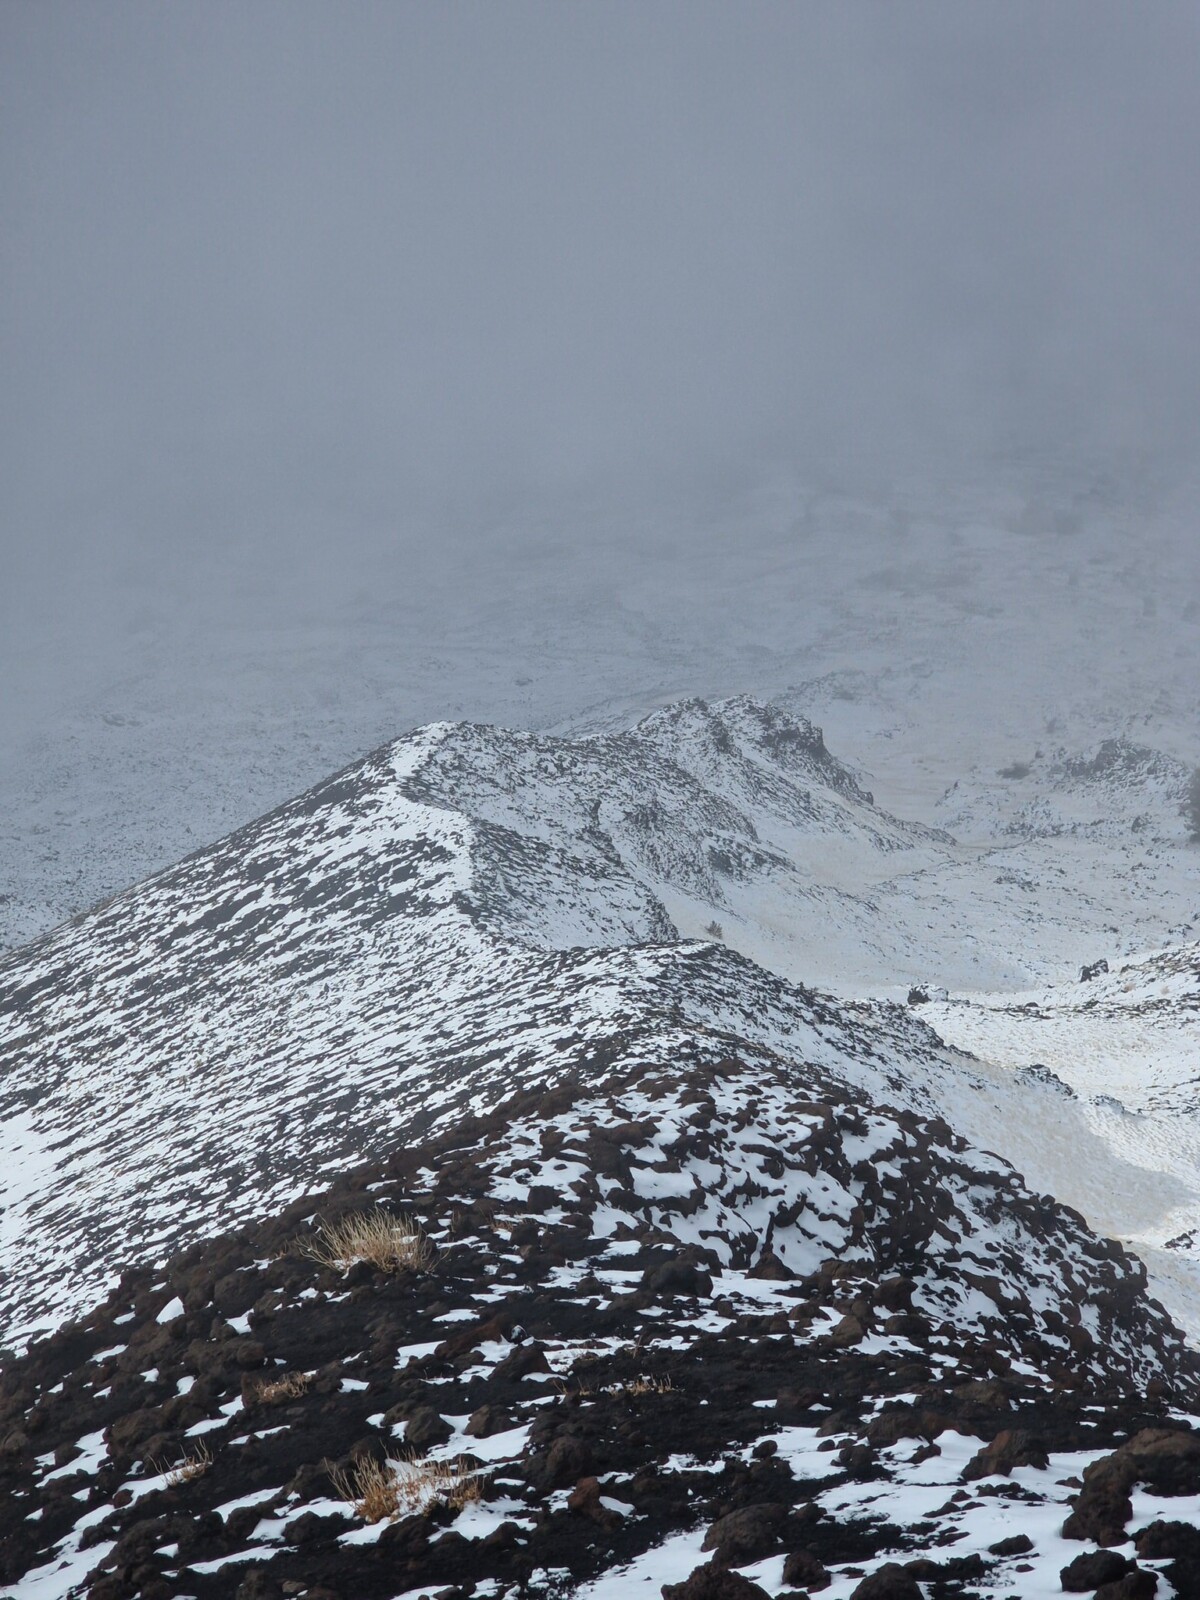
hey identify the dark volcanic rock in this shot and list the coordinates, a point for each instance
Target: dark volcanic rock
(1102, 1507)
(1011, 1448)
(1019, 1544)
(487, 1420)
(586, 1500)
(566, 1461)
(677, 1277)
(745, 1535)
(1089, 1571)
(1165, 1460)
(803, 1571)
(1178, 1543)
(711, 1582)
(1135, 1585)
(646, 1388)
(890, 1582)
(849, 1331)
(425, 1428)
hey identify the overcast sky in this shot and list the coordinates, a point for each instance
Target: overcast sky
(290, 278)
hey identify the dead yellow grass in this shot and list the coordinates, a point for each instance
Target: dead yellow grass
(194, 1465)
(631, 1386)
(393, 1244)
(290, 1387)
(643, 1386)
(391, 1489)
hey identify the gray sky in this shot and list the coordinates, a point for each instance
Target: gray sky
(288, 284)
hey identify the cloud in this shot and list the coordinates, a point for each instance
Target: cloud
(303, 280)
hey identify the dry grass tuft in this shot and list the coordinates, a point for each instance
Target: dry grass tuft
(643, 1386)
(371, 1487)
(631, 1386)
(393, 1244)
(290, 1387)
(191, 1467)
(391, 1489)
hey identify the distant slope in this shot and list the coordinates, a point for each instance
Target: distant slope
(1117, 1058)
(1114, 789)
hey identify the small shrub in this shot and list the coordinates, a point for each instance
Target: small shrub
(391, 1489)
(393, 1244)
(370, 1486)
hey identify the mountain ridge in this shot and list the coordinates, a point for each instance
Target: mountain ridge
(452, 984)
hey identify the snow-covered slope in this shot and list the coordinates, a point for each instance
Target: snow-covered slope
(463, 912)
(1114, 789)
(461, 979)
(731, 813)
(663, 1312)
(1113, 1061)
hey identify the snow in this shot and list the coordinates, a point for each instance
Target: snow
(255, 1498)
(180, 1060)
(93, 1451)
(1036, 1508)
(1129, 1035)
(669, 1562)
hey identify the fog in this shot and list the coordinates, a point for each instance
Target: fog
(307, 303)
(276, 271)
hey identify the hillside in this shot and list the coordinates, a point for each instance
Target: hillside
(701, 1314)
(702, 1223)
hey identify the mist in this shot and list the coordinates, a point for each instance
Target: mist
(276, 269)
(320, 317)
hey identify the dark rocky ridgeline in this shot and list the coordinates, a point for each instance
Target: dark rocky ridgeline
(792, 1344)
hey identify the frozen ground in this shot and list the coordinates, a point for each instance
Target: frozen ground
(469, 909)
